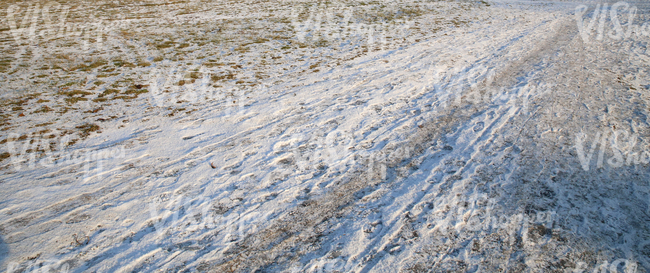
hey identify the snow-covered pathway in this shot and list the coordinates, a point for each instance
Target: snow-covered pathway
(453, 154)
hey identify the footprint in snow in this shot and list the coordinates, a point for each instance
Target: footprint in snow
(479, 126)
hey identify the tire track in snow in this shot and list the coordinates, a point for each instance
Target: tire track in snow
(303, 224)
(506, 114)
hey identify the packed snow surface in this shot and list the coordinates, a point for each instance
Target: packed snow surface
(445, 136)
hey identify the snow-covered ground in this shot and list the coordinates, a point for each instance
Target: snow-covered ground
(300, 136)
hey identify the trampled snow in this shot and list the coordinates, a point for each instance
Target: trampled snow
(482, 137)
